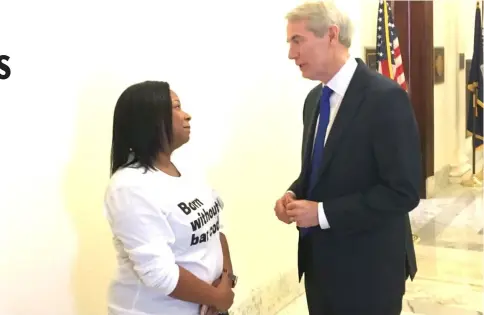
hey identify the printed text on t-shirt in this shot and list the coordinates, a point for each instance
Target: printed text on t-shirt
(204, 216)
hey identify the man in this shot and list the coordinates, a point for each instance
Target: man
(360, 174)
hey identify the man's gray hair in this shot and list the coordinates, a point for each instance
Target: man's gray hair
(320, 15)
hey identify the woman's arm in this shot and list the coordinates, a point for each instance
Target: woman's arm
(146, 236)
(191, 289)
(226, 253)
(227, 264)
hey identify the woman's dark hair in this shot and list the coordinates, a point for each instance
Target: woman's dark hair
(142, 125)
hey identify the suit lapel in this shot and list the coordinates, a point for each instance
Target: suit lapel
(348, 108)
(312, 127)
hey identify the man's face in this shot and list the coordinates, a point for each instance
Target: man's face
(311, 54)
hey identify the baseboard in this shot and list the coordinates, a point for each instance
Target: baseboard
(438, 182)
(442, 178)
(271, 297)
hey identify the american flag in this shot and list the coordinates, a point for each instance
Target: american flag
(388, 56)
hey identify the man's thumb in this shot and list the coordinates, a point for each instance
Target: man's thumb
(288, 198)
(290, 205)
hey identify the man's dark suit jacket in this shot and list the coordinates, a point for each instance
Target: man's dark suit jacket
(368, 183)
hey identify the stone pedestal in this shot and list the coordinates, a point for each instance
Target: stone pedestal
(460, 168)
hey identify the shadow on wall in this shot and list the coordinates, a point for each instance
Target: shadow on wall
(86, 178)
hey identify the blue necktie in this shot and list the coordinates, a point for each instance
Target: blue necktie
(317, 158)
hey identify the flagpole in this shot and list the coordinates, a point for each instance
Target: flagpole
(387, 38)
(474, 134)
(481, 174)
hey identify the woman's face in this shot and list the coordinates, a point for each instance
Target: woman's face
(181, 122)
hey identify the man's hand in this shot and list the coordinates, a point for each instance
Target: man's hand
(303, 212)
(281, 207)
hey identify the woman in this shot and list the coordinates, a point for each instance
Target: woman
(172, 258)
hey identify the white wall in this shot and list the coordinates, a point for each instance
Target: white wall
(228, 63)
(445, 20)
(68, 68)
(453, 30)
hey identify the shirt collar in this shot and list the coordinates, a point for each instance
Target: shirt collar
(340, 82)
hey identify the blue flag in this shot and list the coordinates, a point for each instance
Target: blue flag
(475, 106)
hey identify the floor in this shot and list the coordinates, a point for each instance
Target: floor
(450, 256)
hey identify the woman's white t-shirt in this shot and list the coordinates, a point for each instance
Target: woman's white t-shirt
(160, 222)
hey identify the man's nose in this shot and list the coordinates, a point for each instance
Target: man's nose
(292, 54)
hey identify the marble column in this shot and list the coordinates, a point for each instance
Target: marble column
(460, 165)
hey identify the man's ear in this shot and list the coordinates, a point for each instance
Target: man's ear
(333, 32)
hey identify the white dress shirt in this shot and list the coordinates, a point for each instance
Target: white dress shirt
(339, 84)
